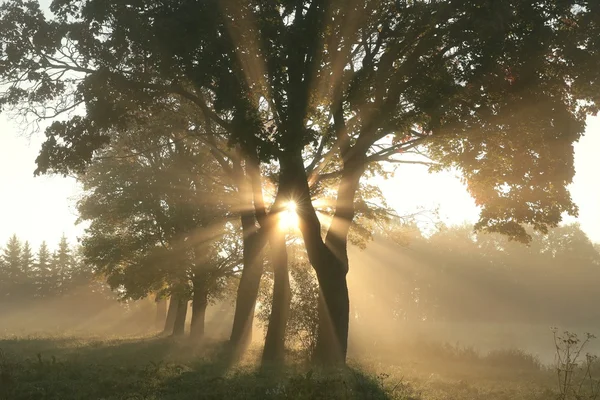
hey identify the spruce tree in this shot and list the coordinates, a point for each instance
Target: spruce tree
(11, 260)
(27, 273)
(62, 265)
(43, 272)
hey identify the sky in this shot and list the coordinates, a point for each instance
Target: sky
(44, 208)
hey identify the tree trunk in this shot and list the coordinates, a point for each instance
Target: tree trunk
(334, 313)
(180, 315)
(247, 293)
(254, 240)
(274, 351)
(171, 314)
(161, 312)
(328, 257)
(199, 304)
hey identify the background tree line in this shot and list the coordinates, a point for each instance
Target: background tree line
(457, 276)
(26, 274)
(51, 289)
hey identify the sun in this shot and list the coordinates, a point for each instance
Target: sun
(288, 218)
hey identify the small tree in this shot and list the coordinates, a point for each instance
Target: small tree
(27, 269)
(62, 266)
(12, 266)
(44, 284)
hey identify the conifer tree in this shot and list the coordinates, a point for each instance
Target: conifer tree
(43, 272)
(62, 265)
(27, 265)
(11, 264)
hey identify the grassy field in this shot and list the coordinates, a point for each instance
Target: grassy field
(62, 367)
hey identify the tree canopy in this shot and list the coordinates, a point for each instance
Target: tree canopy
(480, 83)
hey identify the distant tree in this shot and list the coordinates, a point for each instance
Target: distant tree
(27, 269)
(12, 267)
(44, 280)
(27, 259)
(62, 265)
(549, 281)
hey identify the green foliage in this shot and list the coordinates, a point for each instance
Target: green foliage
(158, 205)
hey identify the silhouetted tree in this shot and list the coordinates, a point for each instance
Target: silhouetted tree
(27, 271)
(62, 266)
(158, 207)
(11, 263)
(43, 272)
(498, 90)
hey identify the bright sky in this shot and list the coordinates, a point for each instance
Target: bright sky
(43, 208)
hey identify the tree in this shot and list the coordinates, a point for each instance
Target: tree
(498, 90)
(62, 266)
(27, 259)
(158, 206)
(11, 264)
(43, 272)
(27, 265)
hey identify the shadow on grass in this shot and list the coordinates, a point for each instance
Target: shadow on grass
(164, 368)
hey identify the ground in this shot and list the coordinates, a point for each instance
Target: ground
(153, 367)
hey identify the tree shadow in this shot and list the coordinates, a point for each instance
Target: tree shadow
(201, 382)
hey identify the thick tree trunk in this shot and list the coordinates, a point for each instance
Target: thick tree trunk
(334, 313)
(180, 316)
(274, 351)
(199, 304)
(254, 240)
(329, 258)
(161, 312)
(171, 314)
(241, 332)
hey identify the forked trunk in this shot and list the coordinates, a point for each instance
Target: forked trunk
(328, 257)
(199, 304)
(247, 293)
(274, 351)
(180, 316)
(171, 315)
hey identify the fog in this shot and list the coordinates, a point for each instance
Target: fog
(408, 300)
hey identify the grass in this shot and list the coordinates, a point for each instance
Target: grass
(65, 368)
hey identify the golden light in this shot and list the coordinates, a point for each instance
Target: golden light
(288, 218)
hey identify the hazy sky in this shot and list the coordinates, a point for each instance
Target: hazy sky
(43, 208)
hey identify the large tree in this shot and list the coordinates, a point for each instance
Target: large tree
(497, 89)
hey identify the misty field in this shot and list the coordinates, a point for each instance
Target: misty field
(155, 367)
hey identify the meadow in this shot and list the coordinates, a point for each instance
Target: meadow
(148, 367)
